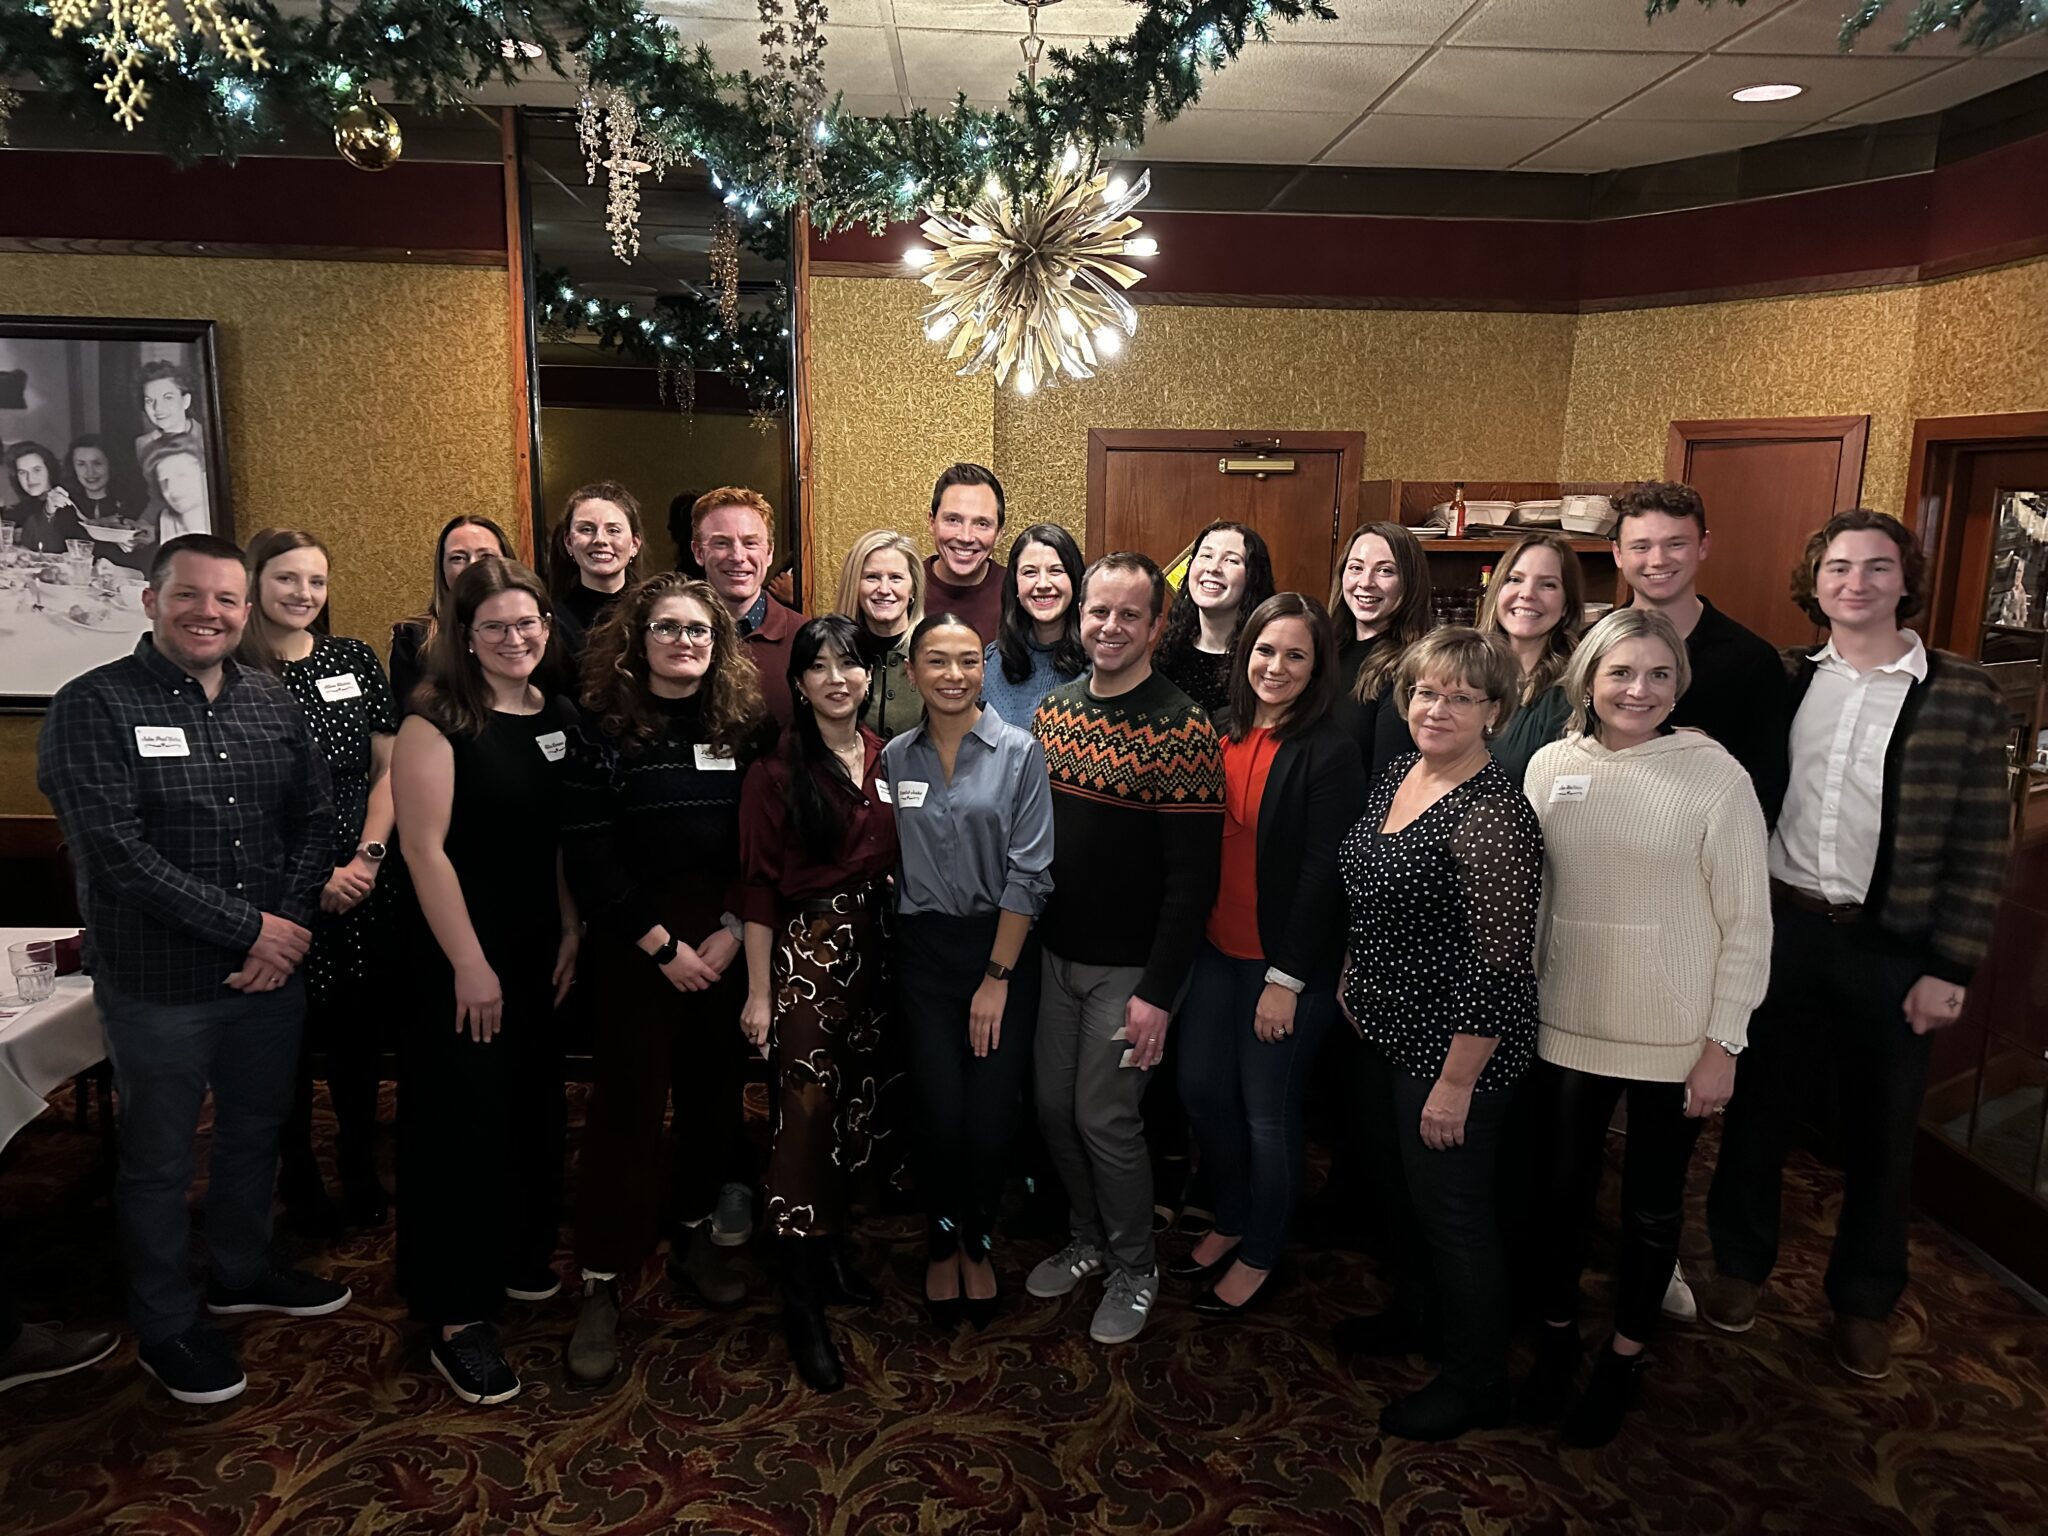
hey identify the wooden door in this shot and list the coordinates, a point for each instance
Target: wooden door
(1768, 484)
(1154, 491)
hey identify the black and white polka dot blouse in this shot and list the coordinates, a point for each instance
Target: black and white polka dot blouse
(1443, 924)
(342, 688)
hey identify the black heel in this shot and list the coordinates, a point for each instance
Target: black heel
(804, 1326)
(1210, 1305)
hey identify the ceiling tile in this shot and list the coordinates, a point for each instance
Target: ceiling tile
(1111, 18)
(1936, 93)
(1813, 27)
(1344, 77)
(856, 58)
(1488, 142)
(1613, 142)
(1700, 91)
(1605, 24)
(1506, 82)
(983, 64)
(1242, 138)
(857, 13)
(1378, 21)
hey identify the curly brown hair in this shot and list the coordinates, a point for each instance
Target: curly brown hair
(615, 669)
(1674, 498)
(1912, 561)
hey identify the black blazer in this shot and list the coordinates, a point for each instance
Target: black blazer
(1314, 795)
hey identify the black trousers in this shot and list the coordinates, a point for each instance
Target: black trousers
(346, 1026)
(1834, 1017)
(1450, 1267)
(969, 1107)
(1655, 1156)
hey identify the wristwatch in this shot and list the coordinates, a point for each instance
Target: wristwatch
(1732, 1050)
(1279, 978)
(374, 852)
(998, 972)
(667, 952)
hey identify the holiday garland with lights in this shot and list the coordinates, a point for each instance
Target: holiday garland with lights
(678, 335)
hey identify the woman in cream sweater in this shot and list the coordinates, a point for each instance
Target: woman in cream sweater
(1653, 948)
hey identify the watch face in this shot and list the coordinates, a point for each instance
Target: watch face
(374, 850)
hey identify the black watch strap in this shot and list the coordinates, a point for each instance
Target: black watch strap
(998, 972)
(667, 952)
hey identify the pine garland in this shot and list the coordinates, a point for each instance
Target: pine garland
(1980, 24)
(683, 333)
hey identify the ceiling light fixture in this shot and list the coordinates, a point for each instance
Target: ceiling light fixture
(1775, 92)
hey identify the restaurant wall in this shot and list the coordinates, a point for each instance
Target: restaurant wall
(367, 401)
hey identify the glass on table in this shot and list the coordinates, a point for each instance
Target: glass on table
(34, 965)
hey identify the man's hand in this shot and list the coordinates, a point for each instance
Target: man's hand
(281, 945)
(1934, 1004)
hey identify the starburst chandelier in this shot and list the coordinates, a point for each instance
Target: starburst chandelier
(128, 31)
(1031, 285)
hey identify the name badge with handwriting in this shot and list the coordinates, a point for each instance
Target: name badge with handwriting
(161, 741)
(335, 689)
(910, 794)
(553, 746)
(1570, 786)
(882, 792)
(709, 760)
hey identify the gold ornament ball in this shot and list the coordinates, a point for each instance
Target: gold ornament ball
(368, 137)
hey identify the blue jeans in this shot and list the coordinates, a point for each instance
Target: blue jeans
(166, 1056)
(1244, 1098)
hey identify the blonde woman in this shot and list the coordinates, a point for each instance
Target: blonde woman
(1537, 604)
(881, 588)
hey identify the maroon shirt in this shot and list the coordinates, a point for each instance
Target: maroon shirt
(768, 648)
(775, 871)
(980, 605)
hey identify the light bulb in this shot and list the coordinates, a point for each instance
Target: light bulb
(1070, 159)
(1144, 245)
(1116, 189)
(980, 233)
(1107, 341)
(1025, 383)
(1070, 322)
(942, 327)
(992, 188)
(918, 256)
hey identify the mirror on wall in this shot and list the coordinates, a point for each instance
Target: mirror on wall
(669, 371)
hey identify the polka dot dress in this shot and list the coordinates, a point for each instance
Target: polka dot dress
(341, 687)
(1443, 924)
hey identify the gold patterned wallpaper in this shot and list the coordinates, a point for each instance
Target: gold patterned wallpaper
(1982, 343)
(366, 401)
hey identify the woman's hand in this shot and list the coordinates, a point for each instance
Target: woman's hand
(1343, 986)
(1273, 1020)
(687, 972)
(985, 1015)
(479, 1002)
(754, 1018)
(718, 952)
(1934, 1004)
(1711, 1082)
(1443, 1116)
(348, 885)
(565, 964)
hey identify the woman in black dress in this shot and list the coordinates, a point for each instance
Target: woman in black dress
(1230, 572)
(1380, 603)
(672, 719)
(592, 558)
(45, 519)
(341, 687)
(477, 775)
(1443, 874)
(463, 541)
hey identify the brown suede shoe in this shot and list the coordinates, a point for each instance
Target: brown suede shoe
(1862, 1347)
(1729, 1304)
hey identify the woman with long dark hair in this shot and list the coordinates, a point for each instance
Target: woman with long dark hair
(477, 776)
(1230, 572)
(1038, 645)
(672, 720)
(817, 842)
(593, 556)
(341, 686)
(1380, 606)
(1537, 604)
(463, 541)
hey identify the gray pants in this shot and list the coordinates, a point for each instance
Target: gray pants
(166, 1055)
(1088, 1108)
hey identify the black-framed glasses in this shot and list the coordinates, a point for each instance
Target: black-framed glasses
(671, 631)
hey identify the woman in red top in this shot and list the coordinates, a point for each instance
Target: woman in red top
(817, 841)
(1264, 984)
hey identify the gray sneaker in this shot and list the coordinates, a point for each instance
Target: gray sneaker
(593, 1353)
(1126, 1303)
(732, 1224)
(1064, 1270)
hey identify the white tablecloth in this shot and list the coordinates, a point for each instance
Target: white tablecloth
(43, 1049)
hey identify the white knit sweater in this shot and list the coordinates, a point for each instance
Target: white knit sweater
(1655, 934)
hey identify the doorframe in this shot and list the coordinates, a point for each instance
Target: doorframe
(1852, 432)
(1940, 446)
(1348, 446)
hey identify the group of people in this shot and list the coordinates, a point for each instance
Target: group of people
(969, 861)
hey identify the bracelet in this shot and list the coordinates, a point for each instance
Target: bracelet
(1280, 978)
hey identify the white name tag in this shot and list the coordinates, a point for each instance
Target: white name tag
(882, 792)
(910, 794)
(335, 689)
(161, 741)
(1570, 786)
(709, 761)
(553, 745)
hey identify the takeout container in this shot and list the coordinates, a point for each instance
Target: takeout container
(1587, 516)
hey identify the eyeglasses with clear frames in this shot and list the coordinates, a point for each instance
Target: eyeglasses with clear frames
(491, 632)
(673, 631)
(1456, 703)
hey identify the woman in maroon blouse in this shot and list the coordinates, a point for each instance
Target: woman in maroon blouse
(817, 841)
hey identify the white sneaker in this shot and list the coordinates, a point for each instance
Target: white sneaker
(1678, 1298)
(1066, 1269)
(1126, 1303)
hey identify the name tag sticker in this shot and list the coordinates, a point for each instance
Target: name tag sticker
(553, 746)
(710, 761)
(161, 741)
(335, 689)
(882, 792)
(1570, 786)
(910, 794)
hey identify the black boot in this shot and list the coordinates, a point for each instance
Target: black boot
(803, 1319)
(839, 1283)
(1596, 1417)
(1443, 1411)
(1547, 1390)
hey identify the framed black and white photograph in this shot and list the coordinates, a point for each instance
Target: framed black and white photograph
(110, 444)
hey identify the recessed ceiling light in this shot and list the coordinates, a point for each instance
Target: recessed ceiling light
(1768, 92)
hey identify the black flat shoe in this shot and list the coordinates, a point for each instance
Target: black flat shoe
(1441, 1411)
(1209, 1304)
(1191, 1268)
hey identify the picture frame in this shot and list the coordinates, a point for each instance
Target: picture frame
(111, 442)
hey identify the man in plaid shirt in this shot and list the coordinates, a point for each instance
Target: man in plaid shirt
(196, 809)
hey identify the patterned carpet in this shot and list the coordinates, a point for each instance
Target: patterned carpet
(1027, 1428)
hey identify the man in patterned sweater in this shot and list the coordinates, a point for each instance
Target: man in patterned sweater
(1137, 793)
(1885, 871)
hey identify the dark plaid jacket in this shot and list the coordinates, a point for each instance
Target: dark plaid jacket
(1947, 817)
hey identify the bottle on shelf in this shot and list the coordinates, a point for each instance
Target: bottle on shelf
(1485, 577)
(1458, 510)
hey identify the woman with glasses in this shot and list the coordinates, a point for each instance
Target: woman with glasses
(477, 777)
(1443, 875)
(1038, 645)
(464, 540)
(672, 720)
(881, 588)
(817, 843)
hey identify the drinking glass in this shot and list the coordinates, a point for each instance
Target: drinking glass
(34, 965)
